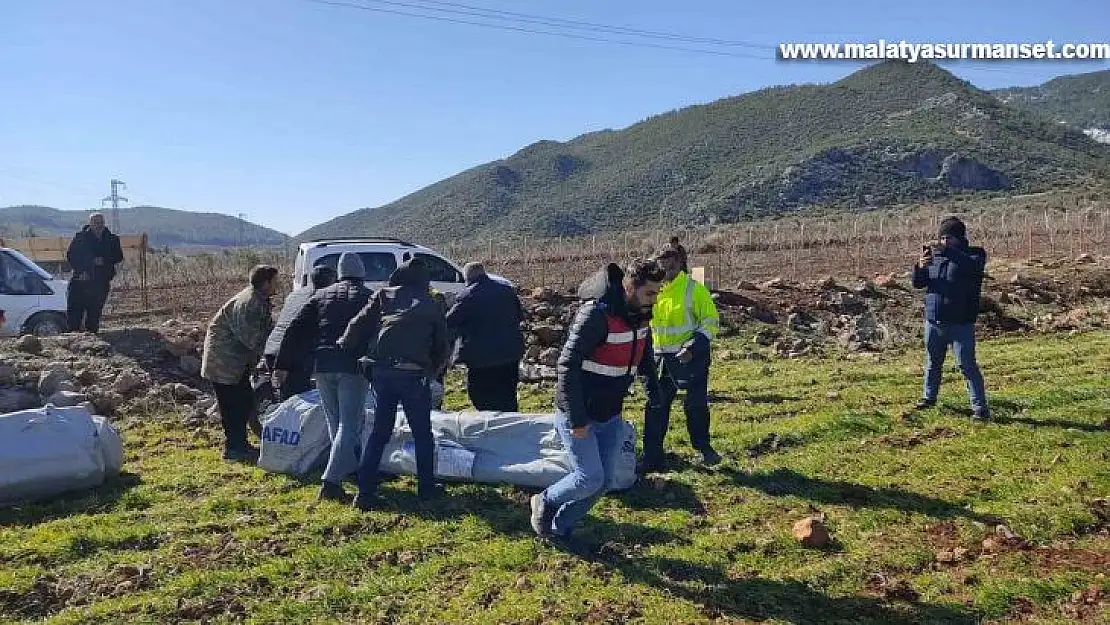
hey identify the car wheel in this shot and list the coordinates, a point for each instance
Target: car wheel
(46, 324)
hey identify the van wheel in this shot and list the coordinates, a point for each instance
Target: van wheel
(46, 324)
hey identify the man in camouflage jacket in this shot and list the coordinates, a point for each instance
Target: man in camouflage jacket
(235, 341)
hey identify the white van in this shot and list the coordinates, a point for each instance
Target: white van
(31, 300)
(380, 257)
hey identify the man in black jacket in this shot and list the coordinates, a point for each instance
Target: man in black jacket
(313, 336)
(298, 378)
(609, 344)
(486, 318)
(951, 272)
(403, 333)
(93, 254)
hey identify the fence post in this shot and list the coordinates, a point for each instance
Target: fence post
(142, 274)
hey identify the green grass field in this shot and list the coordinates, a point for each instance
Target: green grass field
(185, 537)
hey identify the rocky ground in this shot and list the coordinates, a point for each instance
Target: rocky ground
(795, 319)
(156, 367)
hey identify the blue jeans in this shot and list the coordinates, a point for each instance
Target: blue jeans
(344, 399)
(592, 460)
(412, 391)
(961, 336)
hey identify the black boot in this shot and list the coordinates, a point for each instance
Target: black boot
(330, 491)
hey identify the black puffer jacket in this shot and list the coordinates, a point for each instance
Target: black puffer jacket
(290, 308)
(317, 327)
(953, 284)
(586, 396)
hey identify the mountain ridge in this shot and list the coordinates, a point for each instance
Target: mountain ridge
(165, 227)
(889, 133)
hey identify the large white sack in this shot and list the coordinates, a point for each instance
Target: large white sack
(499, 447)
(490, 447)
(295, 436)
(51, 450)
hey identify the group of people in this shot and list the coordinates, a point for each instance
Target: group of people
(650, 320)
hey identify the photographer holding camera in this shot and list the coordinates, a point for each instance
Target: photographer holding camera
(951, 272)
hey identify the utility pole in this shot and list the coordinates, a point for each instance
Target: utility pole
(242, 223)
(115, 198)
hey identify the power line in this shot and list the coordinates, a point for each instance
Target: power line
(440, 7)
(466, 9)
(639, 44)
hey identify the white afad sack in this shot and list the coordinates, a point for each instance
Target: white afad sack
(295, 437)
(48, 451)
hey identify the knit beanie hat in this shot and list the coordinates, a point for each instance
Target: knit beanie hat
(350, 266)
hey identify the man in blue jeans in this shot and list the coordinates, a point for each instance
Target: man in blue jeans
(951, 272)
(403, 332)
(314, 334)
(609, 344)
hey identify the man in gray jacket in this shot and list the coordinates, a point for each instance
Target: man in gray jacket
(403, 332)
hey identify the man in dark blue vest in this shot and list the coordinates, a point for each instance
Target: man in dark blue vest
(951, 272)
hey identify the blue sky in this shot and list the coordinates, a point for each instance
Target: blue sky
(293, 112)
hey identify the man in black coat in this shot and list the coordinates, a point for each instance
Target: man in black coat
(299, 377)
(93, 254)
(486, 318)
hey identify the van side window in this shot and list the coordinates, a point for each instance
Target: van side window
(17, 279)
(439, 270)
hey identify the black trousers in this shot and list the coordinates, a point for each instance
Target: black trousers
(695, 405)
(298, 381)
(494, 388)
(84, 304)
(236, 404)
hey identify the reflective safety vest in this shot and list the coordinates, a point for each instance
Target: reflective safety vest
(684, 307)
(621, 352)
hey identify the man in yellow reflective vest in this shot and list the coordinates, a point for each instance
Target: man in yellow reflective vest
(684, 324)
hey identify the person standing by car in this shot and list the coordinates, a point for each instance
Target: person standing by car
(234, 343)
(486, 319)
(93, 254)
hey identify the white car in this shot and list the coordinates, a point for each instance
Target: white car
(31, 300)
(380, 257)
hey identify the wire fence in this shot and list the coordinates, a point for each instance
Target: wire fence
(862, 245)
(1051, 225)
